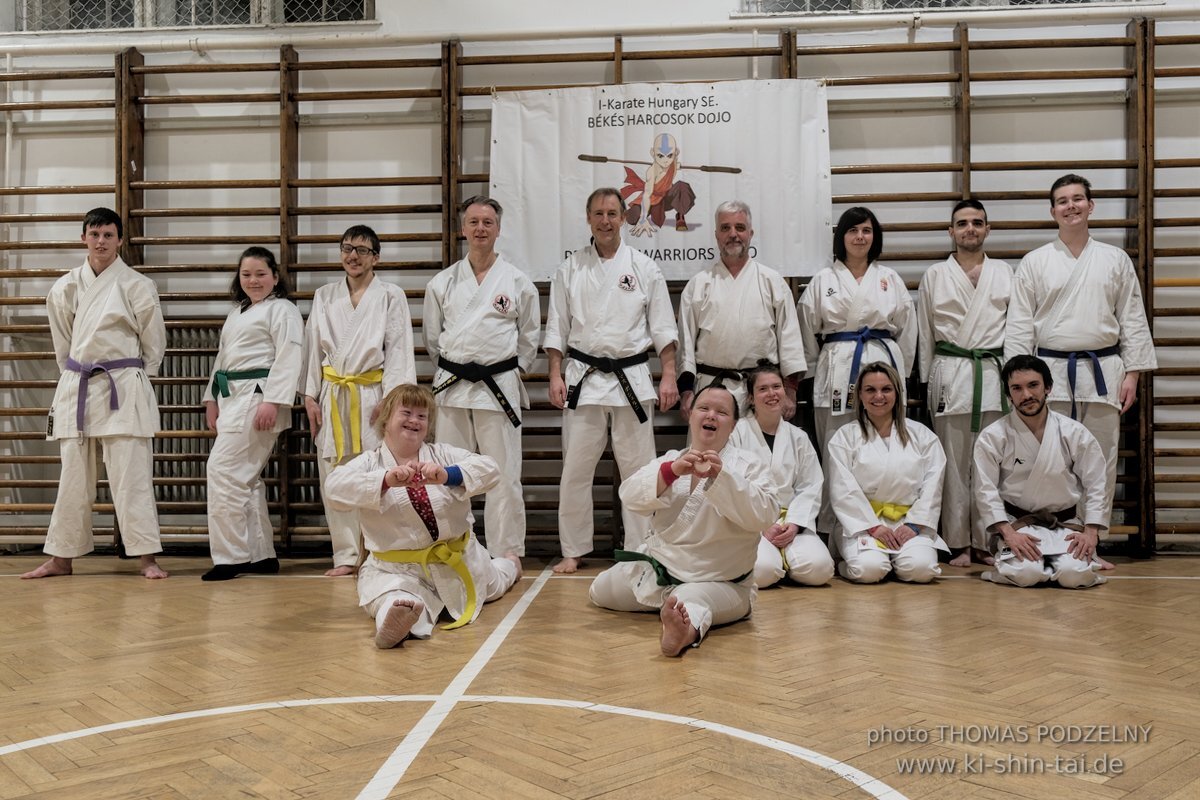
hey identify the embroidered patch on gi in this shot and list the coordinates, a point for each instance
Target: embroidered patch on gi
(502, 303)
(627, 282)
(883, 283)
(830, 292)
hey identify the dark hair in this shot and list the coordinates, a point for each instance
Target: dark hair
(235, 289)
(857, 216)
(99, 217)
(1067, 180)
(1026, 362)
(696, 399)
(605, 191)
(968, 203)
(763, 367)
(860, 408)
(480, 200)
(362, 232)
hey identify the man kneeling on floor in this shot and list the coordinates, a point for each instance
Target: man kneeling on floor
(1033, 470)
(414, 505)
(708, 505)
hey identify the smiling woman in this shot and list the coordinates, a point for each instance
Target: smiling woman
(413, 498)
(885, 487)
(707, 505)
(254, 378)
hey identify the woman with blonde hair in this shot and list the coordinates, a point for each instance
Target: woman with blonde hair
(884, 475)
(413, 499)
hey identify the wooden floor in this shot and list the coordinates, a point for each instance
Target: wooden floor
(116, 687)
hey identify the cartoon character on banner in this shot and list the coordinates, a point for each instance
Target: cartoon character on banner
(648, 214)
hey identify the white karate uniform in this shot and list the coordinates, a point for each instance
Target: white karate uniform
(861, 469)
(732, 323)
(707, 538)
(1068, 304)
(389, 522)
(835, 302)
(951, 309)
(485, 323)
(615, 308)
(95, 319)
(352, 340)
(797, 480)
(269, 334)
(1065, 469)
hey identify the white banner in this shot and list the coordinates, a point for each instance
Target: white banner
(765, 143)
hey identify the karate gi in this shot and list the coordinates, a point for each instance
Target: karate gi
(1066, 470)
(859, 470)
(1073, 305)
(731, 323)
(615, 309)
(797, 481)
(269, 334)
(96, 319)
(835, 302)
(389, 522)
(707, 539)
(951, 309)
(352, 341)
(468, 322)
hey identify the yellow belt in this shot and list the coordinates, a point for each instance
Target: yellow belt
(782, 517)
(351, 382)
(448, 552)
(893, 511)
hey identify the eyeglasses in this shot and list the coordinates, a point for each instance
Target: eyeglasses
(363, 252)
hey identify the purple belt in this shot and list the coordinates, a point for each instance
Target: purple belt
(86, 371)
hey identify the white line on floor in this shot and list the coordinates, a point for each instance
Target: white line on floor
(388, 775)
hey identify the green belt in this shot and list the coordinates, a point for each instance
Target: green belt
(977, 357)
(222, 377)
(664, 578)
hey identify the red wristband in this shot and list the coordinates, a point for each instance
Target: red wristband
(668, 474)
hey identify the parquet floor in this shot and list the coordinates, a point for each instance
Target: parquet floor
(116, 687)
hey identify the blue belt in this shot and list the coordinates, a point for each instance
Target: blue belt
(1072, 357)
(861, 337)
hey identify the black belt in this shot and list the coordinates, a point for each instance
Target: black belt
(612, 366)
(722, 374)
(476, 373)
(1072, 356)
(665, 578)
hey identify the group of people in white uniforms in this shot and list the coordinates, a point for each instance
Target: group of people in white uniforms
(854, 313)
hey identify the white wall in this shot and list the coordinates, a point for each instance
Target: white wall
(876, 124)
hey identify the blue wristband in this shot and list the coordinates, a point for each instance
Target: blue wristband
(454, 476)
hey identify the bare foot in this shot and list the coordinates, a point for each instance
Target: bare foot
(983, 557)
(53, 567)
(677, 631)
(399, 621)
(963, 559)
(516, 559)
(151, 570)
(1104, 564)
(568, 566)
(344, 569)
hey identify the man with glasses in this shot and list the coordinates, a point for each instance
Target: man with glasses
(358, 346)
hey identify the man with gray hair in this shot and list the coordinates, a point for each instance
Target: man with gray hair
(736, 314)
(481, 323)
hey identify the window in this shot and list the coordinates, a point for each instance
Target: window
(78, 15)
(755, 7)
